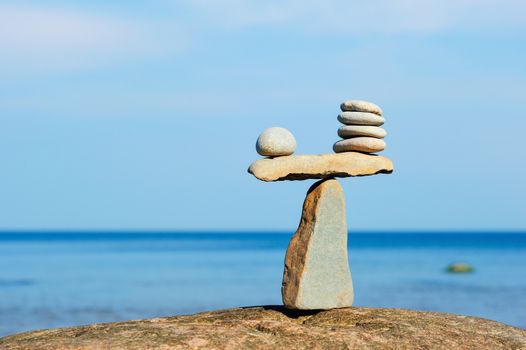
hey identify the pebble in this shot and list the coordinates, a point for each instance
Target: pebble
(361, 106)
(460, 268)
(348, 131)
(360, 144)
(276, 141)
(360, 118)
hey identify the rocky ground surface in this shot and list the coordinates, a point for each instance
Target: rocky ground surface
(273, 327)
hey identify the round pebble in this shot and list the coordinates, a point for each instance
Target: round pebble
(361, 106)
(360, 118)
(276, 141)
(360, 144)
(348, 131)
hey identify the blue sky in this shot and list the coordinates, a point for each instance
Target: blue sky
(144, 114)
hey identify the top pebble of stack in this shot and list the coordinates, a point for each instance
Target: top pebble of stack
(361, 106)
(361, 132)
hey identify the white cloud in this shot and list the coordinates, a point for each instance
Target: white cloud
(39, 36)
(57, 37)
(42, 38)
(365, 16)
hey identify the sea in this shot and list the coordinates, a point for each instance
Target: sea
(61, 279)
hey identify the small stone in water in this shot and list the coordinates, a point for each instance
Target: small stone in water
(460, 268)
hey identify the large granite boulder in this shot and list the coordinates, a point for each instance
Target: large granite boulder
(279, 328)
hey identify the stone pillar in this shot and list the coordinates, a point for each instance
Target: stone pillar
(317, 273)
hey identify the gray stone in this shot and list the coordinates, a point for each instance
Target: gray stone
(361, 106)
(348, 131)
(360, 144)
(317, 274)
(276, 141)
(310, 166)
(360, 118)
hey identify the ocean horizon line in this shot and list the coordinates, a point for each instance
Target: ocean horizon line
(250, 231)
(121, 235)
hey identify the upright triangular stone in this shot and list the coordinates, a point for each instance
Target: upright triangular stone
(317, 274)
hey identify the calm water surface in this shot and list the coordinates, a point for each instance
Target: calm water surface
(64, 279)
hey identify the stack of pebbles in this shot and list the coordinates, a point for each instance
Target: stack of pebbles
(361, 131)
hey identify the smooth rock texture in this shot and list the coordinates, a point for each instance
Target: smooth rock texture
(276, 141)
(273, 327)
(361, 106)
(317, 274)
(360, 144)
(348, 131)
(301, 167)
(360, 118)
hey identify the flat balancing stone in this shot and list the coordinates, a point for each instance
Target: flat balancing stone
(302, 167)
(317, 274)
